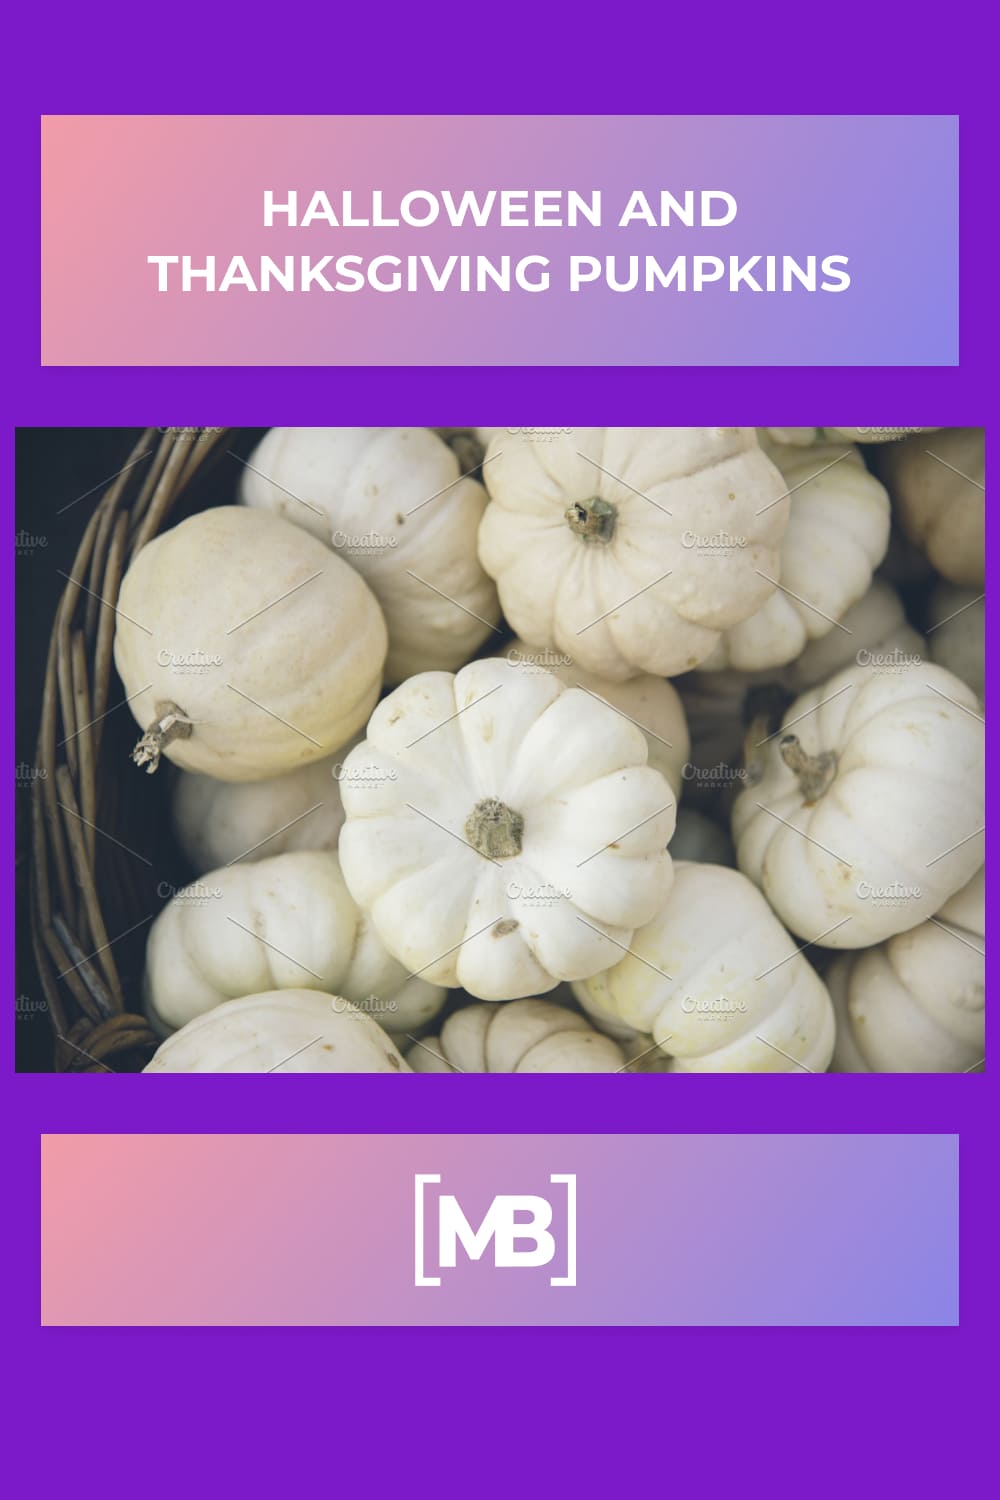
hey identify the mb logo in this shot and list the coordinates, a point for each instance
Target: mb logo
(526, 1230)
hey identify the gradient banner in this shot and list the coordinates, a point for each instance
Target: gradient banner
(878, 194)
(500, 1229)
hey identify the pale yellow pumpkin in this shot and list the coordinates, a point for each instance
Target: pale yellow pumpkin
(631, 549)
(393, 503)
(956, 633)
(245, 647)
(285, 1031)
(837, 534)
(916, 1004)
(866, 813)
(523, 1036)
(717, 983)
(938, 486)
(220, 822)
(287, 922)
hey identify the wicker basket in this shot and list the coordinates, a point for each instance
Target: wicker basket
(101, 848)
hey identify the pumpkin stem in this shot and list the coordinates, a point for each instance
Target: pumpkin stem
(494, 830)
(592, 520)
(171, 724)
(815, 772)
(467, 449)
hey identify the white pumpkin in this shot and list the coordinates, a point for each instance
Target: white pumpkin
(938, 488)
(956, 634)
(509, 834)
(699, 839)
(626, 1036)
(283, 1031)
(717, 983)
(221, 822)
(867, 813)
(876, 635)
(916, 1004)
(729, 713)
(393, 503)
(632, 548)
(651, 703)
(838, 531)
(245, 647)
(282, 923)
(524, 1036)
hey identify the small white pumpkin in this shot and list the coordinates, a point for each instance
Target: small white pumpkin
(875, 635)
(717, 983)
(222, 822)
(508, 834)
(287, 922)
(283, 1031)
(524, 1036)
(245, 647)
(867, 811)
(730, 713)
(938, 485)
(838, 531)
(651, 703)
(700, 840)
(631, 548)
(393, 503)
(957, 633)
(916, 1004)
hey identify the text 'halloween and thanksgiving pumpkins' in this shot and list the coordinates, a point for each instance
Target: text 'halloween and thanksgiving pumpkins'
(509, 210)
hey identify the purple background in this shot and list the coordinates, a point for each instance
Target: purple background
(695, 1410)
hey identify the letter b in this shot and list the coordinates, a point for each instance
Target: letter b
(509, 1231)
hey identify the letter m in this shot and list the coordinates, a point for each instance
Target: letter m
(499, 1225)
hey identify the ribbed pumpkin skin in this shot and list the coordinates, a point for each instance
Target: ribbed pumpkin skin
(269, 644)
(286, 1031)
(899, 828)
(718, 983)
(524, 1036)
(916, 1004)
(392, 503)
(583, 860)
(287, 922)
(610, 543)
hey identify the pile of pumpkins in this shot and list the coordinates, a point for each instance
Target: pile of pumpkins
(423, 845)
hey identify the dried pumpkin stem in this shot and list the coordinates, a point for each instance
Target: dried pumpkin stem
(494, 830)
(171, 723)
(593, 520)
(815, 772)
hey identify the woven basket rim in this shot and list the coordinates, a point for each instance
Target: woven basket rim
(93, 1019)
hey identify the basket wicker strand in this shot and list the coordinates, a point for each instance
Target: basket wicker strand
(97, 842)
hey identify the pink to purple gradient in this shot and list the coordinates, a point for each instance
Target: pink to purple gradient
(866, 1411)
(318, 1229)
(882, 191)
